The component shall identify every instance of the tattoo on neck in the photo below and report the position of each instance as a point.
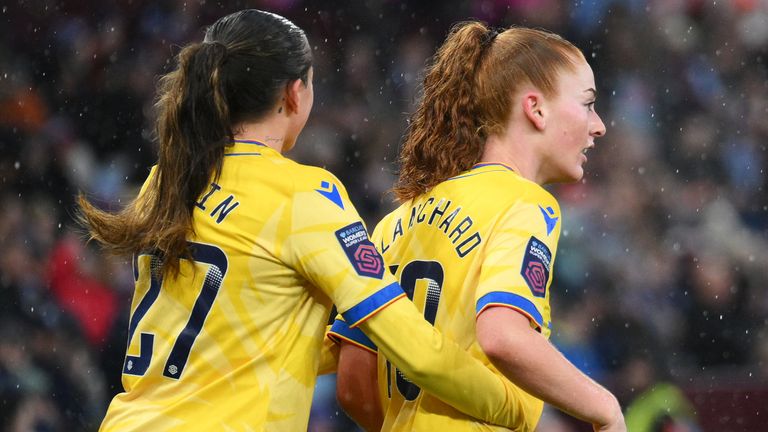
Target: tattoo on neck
(273, 139)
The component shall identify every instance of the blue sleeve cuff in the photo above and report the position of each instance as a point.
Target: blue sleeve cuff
(341, 331)
(374, 303)
(513, 301)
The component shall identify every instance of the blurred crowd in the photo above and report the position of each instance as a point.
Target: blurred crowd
(661, 286)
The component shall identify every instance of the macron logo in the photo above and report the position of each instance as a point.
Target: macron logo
(332, 193)
(549, 219)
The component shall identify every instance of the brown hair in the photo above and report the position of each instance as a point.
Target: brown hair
(234, 75)
(466, 96)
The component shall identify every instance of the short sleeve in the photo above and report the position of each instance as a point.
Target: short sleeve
(517, 267)
(329, 245)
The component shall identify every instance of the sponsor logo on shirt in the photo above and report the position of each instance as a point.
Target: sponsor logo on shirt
(363, 256)
(537, 263)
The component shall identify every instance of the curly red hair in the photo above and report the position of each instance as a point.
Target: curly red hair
(466, 96)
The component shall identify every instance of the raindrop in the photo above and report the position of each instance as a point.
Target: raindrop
(17, 165)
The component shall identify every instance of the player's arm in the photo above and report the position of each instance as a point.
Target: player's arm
(328, 245)
(356, 387)
(532, 362)
(512, 298)
(438, 365)
(356, 380)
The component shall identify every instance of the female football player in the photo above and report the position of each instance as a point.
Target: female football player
(240, 252)
(474, 241)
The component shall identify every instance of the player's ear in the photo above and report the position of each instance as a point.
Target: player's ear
(533, 108)
(292, 95)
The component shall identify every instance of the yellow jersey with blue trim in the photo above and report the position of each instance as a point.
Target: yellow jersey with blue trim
(233, 342)
(485, 238)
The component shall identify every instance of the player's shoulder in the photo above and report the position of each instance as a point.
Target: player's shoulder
(536, 194)
(513, 189)
(393, 216)
(309, 178)
(531, 207)
(515, 202)
(402, 209)
(312, 183)
(308, 175)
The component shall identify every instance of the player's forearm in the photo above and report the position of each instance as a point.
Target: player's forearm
(440, 367)
(356, 387)
(546, 374)
(531, 362)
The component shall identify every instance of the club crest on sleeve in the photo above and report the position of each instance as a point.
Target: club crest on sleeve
(330, 191)
(537, 263)
(363, 256)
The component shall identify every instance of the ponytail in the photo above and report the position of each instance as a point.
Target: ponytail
(444, 137)
(193, 128)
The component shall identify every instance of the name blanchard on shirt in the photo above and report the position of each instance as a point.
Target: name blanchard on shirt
(450, 220)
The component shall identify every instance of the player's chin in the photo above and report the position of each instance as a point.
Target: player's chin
(575, 174)
(578, 168)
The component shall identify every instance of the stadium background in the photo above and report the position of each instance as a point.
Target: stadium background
(660, 289)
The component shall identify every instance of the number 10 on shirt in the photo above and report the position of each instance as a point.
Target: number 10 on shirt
(432, 272)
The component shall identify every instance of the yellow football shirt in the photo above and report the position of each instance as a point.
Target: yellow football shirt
(485, 238)
(234, 342)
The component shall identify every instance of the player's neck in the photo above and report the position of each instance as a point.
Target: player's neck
(516, 154)
(270, 133)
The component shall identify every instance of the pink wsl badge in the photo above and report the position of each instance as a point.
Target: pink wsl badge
(537, 262)
(363, 256)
